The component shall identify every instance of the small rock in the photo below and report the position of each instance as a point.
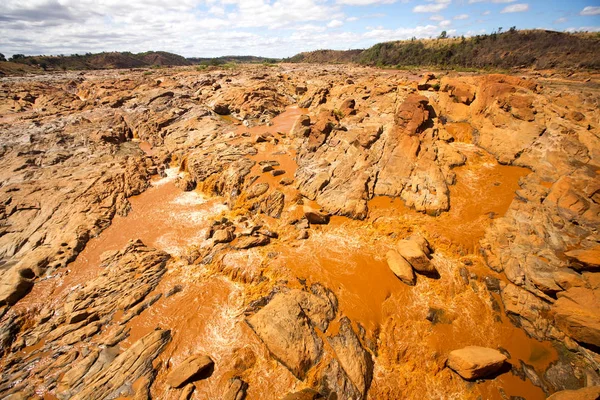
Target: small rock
(174, 290)
(251, 241)
(221, 109)
(186, 393)
(464, 275)
(315, 216)
(492, 284)
(277, 172)
(475, 362)
(286, 181)
(304, 394)
(223, 236)
(303, 224)
(237, 390)
(302, 235)
(438, 316)
(192, 369)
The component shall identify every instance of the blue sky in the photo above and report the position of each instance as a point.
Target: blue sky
(273, 28)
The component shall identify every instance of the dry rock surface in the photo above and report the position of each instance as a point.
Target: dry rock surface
(299, 232)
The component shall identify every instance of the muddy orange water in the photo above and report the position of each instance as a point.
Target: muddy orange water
(347, 256)
(483, 191)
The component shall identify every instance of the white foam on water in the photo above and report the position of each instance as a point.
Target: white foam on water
(190, 198)
(172, 174)
(205, 214)
(222, 332)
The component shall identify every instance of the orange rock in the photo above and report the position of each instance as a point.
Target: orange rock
(475, 362)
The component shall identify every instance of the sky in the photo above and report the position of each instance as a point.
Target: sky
(270, 28)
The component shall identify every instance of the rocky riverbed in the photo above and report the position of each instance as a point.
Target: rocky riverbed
(299, 232)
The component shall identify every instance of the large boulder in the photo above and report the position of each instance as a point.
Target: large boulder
(415, 250)
(475, 362)
(400, 267)
(285, 328)
(577, 313)
(353, 358)
(412, 114)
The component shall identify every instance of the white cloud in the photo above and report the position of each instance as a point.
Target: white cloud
(381, 34)
(310, 28)
(491, 1)
(487, 12)
(589, 10)
(445, 23)
(364, 2)
(560, 20)
(461, 16)
(436, 6)
(217, 10)
(336, 23)
(584, 29)
(351, 19)
(437, 18)
(515, 8)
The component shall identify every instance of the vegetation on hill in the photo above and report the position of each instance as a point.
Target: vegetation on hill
(529, 48)
(532, 48)
(216, 61)
(326, 56)
(101, 60)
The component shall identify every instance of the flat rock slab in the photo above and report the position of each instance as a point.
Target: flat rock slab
(193, 368)
(286, 330)
(586, 258)
(475, 362)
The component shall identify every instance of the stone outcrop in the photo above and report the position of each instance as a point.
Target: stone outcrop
(74, 332)
(288, 326)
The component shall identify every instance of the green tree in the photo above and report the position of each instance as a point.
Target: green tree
(2, 58)
(443, 35)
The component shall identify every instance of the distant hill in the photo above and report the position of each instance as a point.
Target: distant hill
(101, 60)
(232, 59)
(20, 64)
(327, 56)
(528, 48)
(12, 68)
